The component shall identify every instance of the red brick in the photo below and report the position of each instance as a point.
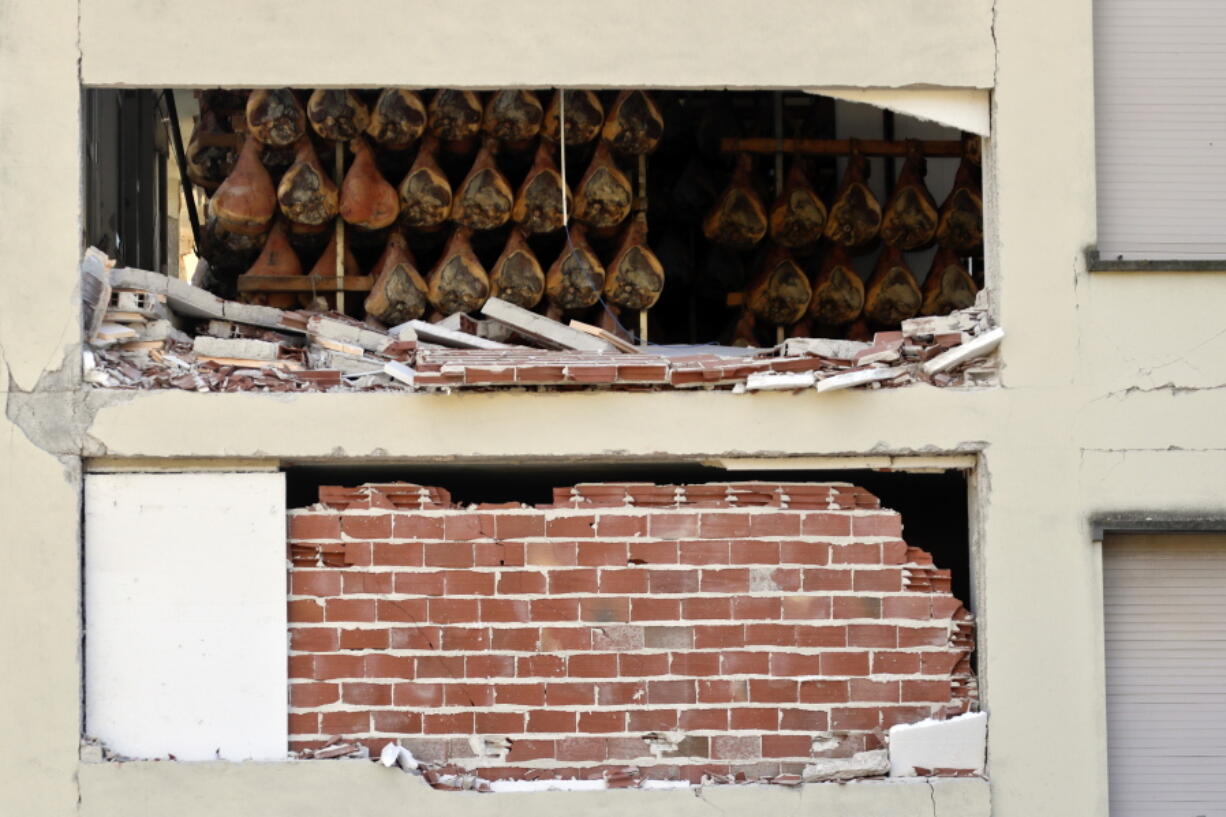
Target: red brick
(620, 693)
(469, 583)
(304, 723)
(882, 524)
(570, 694)
(826, 524)
(489, 666)
(745, 663)
(573, 581)
(499, 723)
(759, 718)
(674, 525)
(804, 720)
(551, 554)
(922, 637)
(856, 607)
(649, 609)
(513, 582)
(569, 639)
(718, 691)
(308, 694)
(832, 636)
(872, 635)
(867, 717)
(735, 580)
(520, 525)
(705, 607)
(624, 580)
(359, 553)
(314, 639)
(877, 581)
(804, 553)
(939, 663)
(315, 583)
(515, 640)
(673, 581)
(603, 554)
(468, 695)
(793, 664)
(844, 663)
(694, 663)
(778, 635)
(753, 552)
(937, 691)
(550, 720)
(945, 606)
(367, 694)
(394, 555)
(305, 611)
(314, 526)
(704, 553)
(723, 525)
(863, 690)
(806, 607)
(729, 747)
(520, 694)
(440, 665)
(756, 607)
(581, 749)
(715, 637)
(366, 527)
(695, 719)
(417, 526)
(621, 525)
(444, 723)
(892, 715)
(786, 579)
(857, 553)
(448, 554)
(897, 553)
(417, 696)
(571, 526)
(398, 723)
(505, 610)
(420, 584)
(522, 750)
(593, 665)
(778, 523)
(627, 748)
(463, 526)
(772, 690)
(896, 663)
(349, 609)
(449, 611)
(498, 554)
(639, 665)
(671, 692)
(553, 609)
(656, 553)
(786, 745)
(344, 723)
(913, 607)
(653, 720)
(540, 666)
(414, 638)
(466, 638)
(823, 692)
(381, 665)
(600, 722)
(362, 582)
(819, 579)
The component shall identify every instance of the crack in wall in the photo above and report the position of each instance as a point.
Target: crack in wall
(1170, 388)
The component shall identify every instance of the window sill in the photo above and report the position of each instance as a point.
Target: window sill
(1094, 263)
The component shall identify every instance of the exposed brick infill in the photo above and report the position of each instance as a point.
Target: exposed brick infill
(732, 630)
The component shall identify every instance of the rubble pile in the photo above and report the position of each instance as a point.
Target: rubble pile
(146, 330)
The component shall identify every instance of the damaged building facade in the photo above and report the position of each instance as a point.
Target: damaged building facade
(255, 546)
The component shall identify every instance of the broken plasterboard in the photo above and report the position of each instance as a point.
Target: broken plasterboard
(544, 330)
(968, 109)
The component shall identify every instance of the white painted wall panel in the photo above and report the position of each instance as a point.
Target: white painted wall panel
(185, 631)
(1165, 625)
(1160, 113)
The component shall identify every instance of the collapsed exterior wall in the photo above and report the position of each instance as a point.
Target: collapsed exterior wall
(627, 631)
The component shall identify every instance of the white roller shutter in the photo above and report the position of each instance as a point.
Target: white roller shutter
(1165, 622)
(1160, 105)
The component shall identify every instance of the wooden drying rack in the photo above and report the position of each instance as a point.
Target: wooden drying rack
(841, 147)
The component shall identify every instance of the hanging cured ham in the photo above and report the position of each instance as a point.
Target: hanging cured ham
(337, 115)
(484, 199)
(275, 117)
(892, 295)
(455, 115)
(425, 193)
(961, 221)
(780, 292)
(517, 276)
(855, 215)
(634, 124)
(798, 215)
(210, 156)
(277, 258)
(246, 201)
(325, 267)
(604, 194)
(576, 278)
(634, 278)
(399, 293)
(513, 116)
(398, 118)
(909, 221)
(538, 204)
(838, 292)
(584, 117)
(367, 200)
(458, 282)
(948, 285)
(738, 218)
(306, 193)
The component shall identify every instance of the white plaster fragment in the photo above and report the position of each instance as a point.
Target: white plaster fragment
(859, 378)
(824, 347)
(779, 381)
(861, 764)
(957, 743)
(977, 347)
(235, 348)
(547, 785)
(401, 372)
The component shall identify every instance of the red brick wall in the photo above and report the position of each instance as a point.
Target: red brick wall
(734, 629)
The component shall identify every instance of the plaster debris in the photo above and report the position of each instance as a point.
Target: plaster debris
(959, 743)
(861, 764)
(148, 331)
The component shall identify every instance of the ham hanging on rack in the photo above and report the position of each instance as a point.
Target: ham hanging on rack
(892, 295)
(634, 124)
(336, 114)
(604, 195)
(399, 293)
(583, 120)
(855, 215)
(367, 201)
(484, 199)
(211, 151)
(455, 117)
(517, 276)
(798, 215)
(277, 258)
(307, 193)
(634, 278)
(275, 117)
(961, 221)
(909, 221)
(838, 292)
(948, 285)
(246, 201)
(398, 118)
(325, 267)
(780, 293)
(513, 116)
(738, 218)
(576, 278)
(458, 282)
(425, 193)
(538, 203)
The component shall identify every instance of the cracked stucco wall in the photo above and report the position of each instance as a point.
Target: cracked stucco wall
(1113, 398)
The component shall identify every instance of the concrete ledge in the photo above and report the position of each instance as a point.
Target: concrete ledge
(335, 788)
(1095, 263)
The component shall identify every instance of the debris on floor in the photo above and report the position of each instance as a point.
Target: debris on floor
(146, 330)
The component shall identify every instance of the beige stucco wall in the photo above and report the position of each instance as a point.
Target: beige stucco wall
(1113, 383)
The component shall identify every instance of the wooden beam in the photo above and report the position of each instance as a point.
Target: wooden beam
(304, 283)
